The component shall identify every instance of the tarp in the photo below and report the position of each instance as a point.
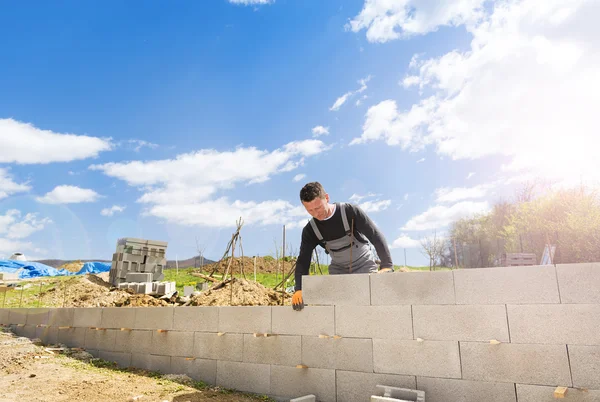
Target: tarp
(29, 269)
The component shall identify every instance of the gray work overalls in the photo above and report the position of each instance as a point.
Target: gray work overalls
(348, 255)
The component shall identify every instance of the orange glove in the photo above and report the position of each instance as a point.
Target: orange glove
(297, 302)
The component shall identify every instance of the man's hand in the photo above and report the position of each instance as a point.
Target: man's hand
(384, 270)
(297, 302)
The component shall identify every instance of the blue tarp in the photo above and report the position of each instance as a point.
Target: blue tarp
(28, 269)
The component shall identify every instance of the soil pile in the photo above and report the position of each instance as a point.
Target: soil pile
(240, 292)
(263, 265)
(73, 266)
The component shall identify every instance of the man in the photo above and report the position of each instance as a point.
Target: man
(342, 230)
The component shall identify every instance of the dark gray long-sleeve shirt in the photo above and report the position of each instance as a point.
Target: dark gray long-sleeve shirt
(333, 228)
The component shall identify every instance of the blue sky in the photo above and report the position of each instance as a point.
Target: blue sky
(169, 121)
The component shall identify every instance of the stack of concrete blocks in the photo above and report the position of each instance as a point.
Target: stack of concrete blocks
(476, 335)
(138, 265)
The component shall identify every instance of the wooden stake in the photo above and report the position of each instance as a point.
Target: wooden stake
(162, 330)
(560, 392)
(324, 336)
(301, 366)
(65, 327)
(125, 329)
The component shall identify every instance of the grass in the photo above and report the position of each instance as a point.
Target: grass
(30, 297)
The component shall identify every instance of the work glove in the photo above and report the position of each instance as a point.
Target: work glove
(297, 302)
(382, 270)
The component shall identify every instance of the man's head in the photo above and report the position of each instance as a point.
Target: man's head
(315, 200)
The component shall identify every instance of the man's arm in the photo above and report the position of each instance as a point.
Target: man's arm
(307, 246)
(366, 226)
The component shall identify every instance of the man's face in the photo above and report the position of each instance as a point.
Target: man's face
(318, 208)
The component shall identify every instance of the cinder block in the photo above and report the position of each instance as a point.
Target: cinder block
(312, 320)
(412, 288)
(100, 339)
(61, 317)
(48, 335)
(153, 317)
(514, 285)
(144, 288)
(152, 260)
(247, 319)
(212, 346)
(204, 370)
(352, 354)
(132, 258)
(28, 331)
(537, 393)
(585, 366)
(72, 337)
(555, 323)
(383, 322)
(247, 377)
(203, 319)
(329, 290)
(173, 343)
(9, 276)
(138, 277)
(579, 283)
(142, 361)
(136, 341)
(158, 276)
(117, 317)
(87, 317)
(516, 363)
(432, 358)
(280, 349)
(461, 323)
(451, 390)
(37, 316)
(290, 382)
(121, 359)
(358, 387)
(305, 398)
(188, 290)
(162, 364)
(4, 313)
(17, 316)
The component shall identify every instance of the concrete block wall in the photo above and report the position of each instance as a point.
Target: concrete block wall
(429, 331)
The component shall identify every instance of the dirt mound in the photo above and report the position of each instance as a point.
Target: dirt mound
(263, 265)
(240, 292)
(73, 266)
(138, 300)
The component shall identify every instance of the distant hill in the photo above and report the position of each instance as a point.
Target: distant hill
(190, 262)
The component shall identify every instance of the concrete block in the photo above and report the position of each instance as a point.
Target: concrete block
(461, 323)
(158, 276)
(312, 320)
(579, 283)
(305, 398)
(188, 290)
(247, 377)
(204, 370)
(585, 366)
(17, 316)
(28, 331)
(9, 276)
(153, 317)
(555, 323)
(431, 358)
(383, 322)
(123, 285)
(412, 288)
(38, 316)
(144, 288)
(516, 363)
(281, 349)
(141, 361)
(514, 285)
(131, 258)
(212, 346)
(136, 341)
(393, 394)
(48, 335)
(358, 387)
(162, 364)
(72, 337)
(203, 319)
(155, 260)
(121, 359)
(329, 290)
(138, 277)
(451, 390)
(100, 339)
(117, 317)
(352, 354)
(173, 343)
(289, 382)
(4, 313)
(87, 317)
(61, 317)
(538, 393)
(248, 319)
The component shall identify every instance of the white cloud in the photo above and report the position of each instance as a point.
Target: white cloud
(421, 160)
(406, 197)
(357, 197)
(471, 174)
(527, 88)
(405, 241)
(8, 186)
(23, 143)
(375, 206)
(139, 144)
(112, 210)
(320, 130)
(13, 228)
(386, 20)
(339, 102)
(299, 177)
(182, 190)
(68, 195)
(251, 2)
(445, 194)
(440, 216)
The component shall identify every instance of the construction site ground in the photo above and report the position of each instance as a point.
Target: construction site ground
(35, 372)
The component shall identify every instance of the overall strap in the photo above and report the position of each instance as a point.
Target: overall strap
(316, 230)
(344, 218)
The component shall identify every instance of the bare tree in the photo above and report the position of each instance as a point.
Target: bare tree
(433, 247)
(200, 253)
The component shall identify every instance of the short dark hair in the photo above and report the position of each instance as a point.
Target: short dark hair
(311, 191)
